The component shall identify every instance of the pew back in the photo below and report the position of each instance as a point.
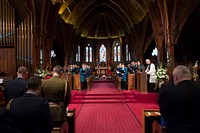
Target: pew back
(117, 81)
(89, 81)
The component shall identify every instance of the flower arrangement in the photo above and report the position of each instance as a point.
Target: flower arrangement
(161, 74)
(41, 73)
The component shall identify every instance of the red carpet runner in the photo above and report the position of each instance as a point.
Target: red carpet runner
(106, 118)
(104, 109)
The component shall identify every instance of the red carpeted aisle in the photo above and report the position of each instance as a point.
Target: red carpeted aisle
(105, 109)
(106, 118)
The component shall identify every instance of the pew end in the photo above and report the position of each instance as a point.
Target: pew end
(151, 121)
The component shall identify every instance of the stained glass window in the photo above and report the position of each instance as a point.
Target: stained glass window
(128, 54)
(102, 53)
(127, 57)
(154, 52)
(87, 55)
(41, 57)
(78, 54)
(88, 52)
(117, 52)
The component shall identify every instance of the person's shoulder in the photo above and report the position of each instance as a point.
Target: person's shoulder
(168, 85)
(41, 99)
(63, 80)
(19, 79)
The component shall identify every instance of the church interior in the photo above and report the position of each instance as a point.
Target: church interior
(40, 34)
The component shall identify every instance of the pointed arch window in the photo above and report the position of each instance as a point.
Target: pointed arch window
(41, 57)
(78, 55)
(88, 52)
(154, 52)
(117, 52)
(128, 55)
(102, 53)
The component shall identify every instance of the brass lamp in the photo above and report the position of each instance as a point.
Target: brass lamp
(58, 1)
(195, 69)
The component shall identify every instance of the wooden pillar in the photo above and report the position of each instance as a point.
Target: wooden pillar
(47, 42)
(159, 44)
(36, 47)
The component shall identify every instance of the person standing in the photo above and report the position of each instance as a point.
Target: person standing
(83, 73)
(140, 66)
(151, 75)
(56, 90)
(124, 73)
(17, 87)
(180, 105)
(30, 112)
(133, 66)
(163, 89)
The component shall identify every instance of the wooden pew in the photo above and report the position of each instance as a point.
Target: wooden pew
(71, 124)
(141, 82)
(151, 121)
(131, 81)
(89, 81)
(76, 82)
(71, 121)
(68, 77)
(117, 81)
(6, 77)
(3, 102)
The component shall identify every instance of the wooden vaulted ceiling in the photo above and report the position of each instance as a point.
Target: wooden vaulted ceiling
(102, 19)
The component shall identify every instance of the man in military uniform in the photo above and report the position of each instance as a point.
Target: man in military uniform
(56, 91)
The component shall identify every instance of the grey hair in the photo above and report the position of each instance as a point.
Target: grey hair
(182, 71)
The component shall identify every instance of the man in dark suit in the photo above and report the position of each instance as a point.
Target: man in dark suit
(7, 124)
(30, 112)
(163, 89)
(180, 106)
(17, 87)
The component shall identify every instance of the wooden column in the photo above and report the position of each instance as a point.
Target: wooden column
(36, 47)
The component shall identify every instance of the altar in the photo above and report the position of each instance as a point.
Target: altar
(102, 70)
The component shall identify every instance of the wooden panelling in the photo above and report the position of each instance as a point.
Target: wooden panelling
(8, 60)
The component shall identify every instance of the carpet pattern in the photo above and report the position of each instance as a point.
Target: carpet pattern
(107, 118)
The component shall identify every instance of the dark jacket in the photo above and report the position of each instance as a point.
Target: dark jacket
(7, 124)
(83, 75)
(15, 88)
(180, 108)
(164, 89)
(31, 114)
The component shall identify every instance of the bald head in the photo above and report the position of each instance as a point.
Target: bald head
(181, 73)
